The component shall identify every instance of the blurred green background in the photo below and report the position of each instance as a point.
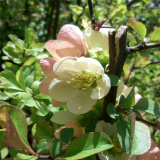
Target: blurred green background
(46, 17)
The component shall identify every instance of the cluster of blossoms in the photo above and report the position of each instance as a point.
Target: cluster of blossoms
(76, 80)
(72, 77)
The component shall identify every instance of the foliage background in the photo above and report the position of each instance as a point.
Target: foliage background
(46, 17)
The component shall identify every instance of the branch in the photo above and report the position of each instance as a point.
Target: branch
(142, 47)
(117, 57)
(91, 13)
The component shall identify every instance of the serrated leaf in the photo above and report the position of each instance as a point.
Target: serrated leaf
(66, 134)
(112, 112)
(10, 78)
(25, 157)
(123, 129)
(155, 35)
(148, 106)
(141, 139)
(138, 27)
(129, 100)
(114, 80)
(16, 129)
(86, 145)
(42, 130)
(56, 147)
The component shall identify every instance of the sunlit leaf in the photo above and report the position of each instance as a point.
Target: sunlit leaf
(148, 106)
(138, 27)
(155, 35)
(141, 139)
(87, 145)
(24, 157)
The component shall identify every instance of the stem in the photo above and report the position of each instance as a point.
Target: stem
(91, 13)
(142, 47)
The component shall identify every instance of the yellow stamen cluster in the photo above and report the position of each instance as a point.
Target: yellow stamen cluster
(84, 81)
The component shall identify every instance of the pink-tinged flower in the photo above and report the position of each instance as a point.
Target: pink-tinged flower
(77, 82)
(70, 43)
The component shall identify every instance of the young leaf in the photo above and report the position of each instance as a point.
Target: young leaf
(148, 106)
(123, 129)
(138, 27)
(42, 130)
(155, 35)
(56, 147)
(141, 139)
(66, 135)
(114, 80)
(129, 101)
(20, 78)
(87, 145)
(10, 79)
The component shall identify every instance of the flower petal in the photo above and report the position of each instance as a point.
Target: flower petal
(60, 90)
(57, 103)
(47, 66)
(59, 49)
(65, 67)
(43, 87)
(103, 87)
(73, 35)
(80, 102)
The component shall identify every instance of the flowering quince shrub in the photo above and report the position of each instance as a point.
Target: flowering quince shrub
(72, 103)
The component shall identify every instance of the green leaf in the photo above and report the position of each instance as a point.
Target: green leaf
(66, 135)
(56, 147)
(42, 147)
(141, 139)
(155, 35)
(35, 87)
(24, 157)
(42, 108)
(20, 78)
(18, 42)
(90, 158)
(148, 106)
(114, 80)
(112, 112)
(129, 100)
(123, 129)
(4, 153)
(42, 130)
(29, 37)
(86, 145)
(138, 27)
(16, 129)
(130, 37)
(37, 70)
(2, 138)
(29, 80)
(10, 78)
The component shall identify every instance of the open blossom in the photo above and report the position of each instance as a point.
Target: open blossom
(70, 43)
(78, 82)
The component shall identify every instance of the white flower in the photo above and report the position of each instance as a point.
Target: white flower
(97, 43)
(79, 82)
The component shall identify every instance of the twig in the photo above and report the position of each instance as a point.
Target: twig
(91, 14)
(142, 47)
(155, 125)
